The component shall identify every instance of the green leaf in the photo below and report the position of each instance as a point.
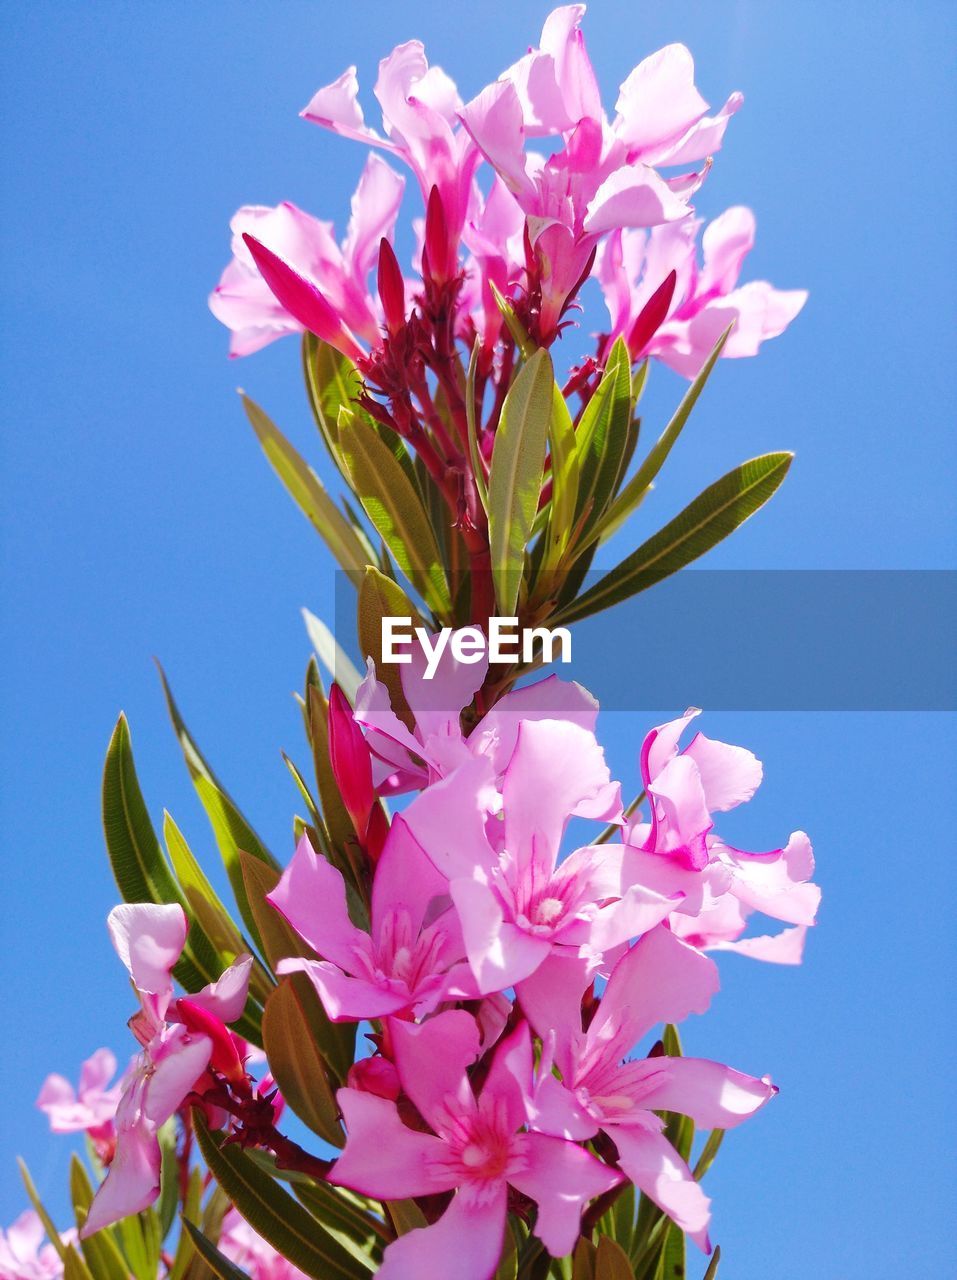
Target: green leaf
(46, 1220)
(515, 481)
(332, 656)
(471, 416)
(332, 382)
(714, 514)
(603, 435)
(636, 488)
(231, 830)
(168, 1202)
(338, 822)
(565, 478)
(351, 1218)
(611, 1261)
(100, 1250)
(672, 1262)
(274, 1214)
(512, 323)
(139, 1236)
(139, 868)
(712, 1272)
(216, 1261)
(708, 1153)
(584, 1260)
(74, 1266)
(394, 505)
(296, 1060)
(406, 1216)
(380, 597)
(308, 492)
(185, 1250)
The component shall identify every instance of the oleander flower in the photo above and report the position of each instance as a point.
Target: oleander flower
(678, 851)
(633, 264)
(660, 979)
(179, 1039)
(90, 1107)
(478, 1147)
(24, 1256)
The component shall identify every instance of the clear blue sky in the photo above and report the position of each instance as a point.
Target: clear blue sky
(140, 519)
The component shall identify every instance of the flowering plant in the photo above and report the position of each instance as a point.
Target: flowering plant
(503, 980)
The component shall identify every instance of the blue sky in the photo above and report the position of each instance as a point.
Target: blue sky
(140, 519)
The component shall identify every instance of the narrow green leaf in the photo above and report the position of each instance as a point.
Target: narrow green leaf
(513, 324)
(603, 435)
(406, 1216)
(584, 1260)
(714, 514)
(217, 1262)
(332, 656)
(185, 1250)
(349, 1216)
(380, 597)
(471, 415)
(74, 1266)
(274, 1214)
(672, 1262)
(712, 1272)
(563, 447)
(296, 1060)
(394, 506)
(47, 1221)
(137, 1238)
(636, 488)
(515, 481)
(308, 492)
(139, 868)
(332, 382)
(230, 828)
(708, 1153)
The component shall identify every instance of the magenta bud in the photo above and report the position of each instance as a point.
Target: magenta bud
(652, 315)
(437, 249)
(351, 762)
(391, 287)
(302, 299)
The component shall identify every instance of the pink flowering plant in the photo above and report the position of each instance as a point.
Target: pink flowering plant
(447, 1026)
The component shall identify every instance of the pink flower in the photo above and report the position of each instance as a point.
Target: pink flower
(420, 107)
(632, 265)
(405, 758)
(605, 176)
(499, 851)
(90, 1107)
(477, 1148)
(411, 959)
(660, 979)
(678, 851)
(24, 1256)
(180, 1039)
(248, 305)
(251, 1253)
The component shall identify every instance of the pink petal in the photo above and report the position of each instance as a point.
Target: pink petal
(557, 1111)
(346, 998)
(561, 1178)
(786, 947)
(551, 1000)
(404, 878)
(437, 702)
(375, 207)
(633, 197)
(509, 1081)
(132, 1180)
(431, 1060)
(336, 107)
(470, 1231)
(495, 121)
(448, 819)
(776, 883)
(149, 939)
(311, 895)
(661, 979)
(658, 101)
(97, 1071)
(499, 952)
(226, 997)
(654, 1166)
(382, 1157)
(714, 1096)
(549, 699)
(556, 769)
(729, 775)
(178, 1059)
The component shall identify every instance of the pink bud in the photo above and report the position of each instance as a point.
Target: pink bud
(302, 299)
(225, 1057)
(375, 1075)
(391, 287)
(351, 762)
(437, 250)
(652, 315)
